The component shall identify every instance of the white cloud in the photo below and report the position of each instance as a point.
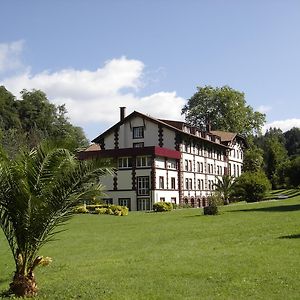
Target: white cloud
(95, 96)
(264, 109)
(284, 125)
(10, 56)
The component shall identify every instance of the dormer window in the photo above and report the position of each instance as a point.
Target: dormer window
(138, 132)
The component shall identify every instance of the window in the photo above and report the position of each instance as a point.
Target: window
(173, 200)
(143, 185)
(161, 182)
(138, 132)
(162, 199)
(201, 169)
(124, 202)
(138, 145)
(199, 185)
(198, 167)
(173, 182)
(188, 148)
(143, 161)
(143, 204)
(186, 184)
(186, 165)
(190, 165)
(202, 184)
(124, 162)
(172, 164)
(107, 200)
(191, 184)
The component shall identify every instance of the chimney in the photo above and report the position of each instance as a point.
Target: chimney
(122, 113)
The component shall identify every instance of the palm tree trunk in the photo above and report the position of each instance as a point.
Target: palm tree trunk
(23, 285)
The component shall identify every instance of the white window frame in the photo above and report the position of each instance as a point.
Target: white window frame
(138, 132)
(143, 185)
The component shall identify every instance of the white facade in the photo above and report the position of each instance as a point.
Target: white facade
(161, 160)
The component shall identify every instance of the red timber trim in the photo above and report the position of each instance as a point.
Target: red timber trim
(153, 150)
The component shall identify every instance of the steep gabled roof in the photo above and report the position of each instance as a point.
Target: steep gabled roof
(227, 137)
(133, 114)
(224, 135)
(173, 125)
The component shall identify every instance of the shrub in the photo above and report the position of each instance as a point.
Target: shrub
(100, 210)
(81, 209)
(162, 206)
(115, 210)
(252, 186)
(213, 202)
(124, 211)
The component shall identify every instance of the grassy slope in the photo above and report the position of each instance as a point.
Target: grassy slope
(250, 251)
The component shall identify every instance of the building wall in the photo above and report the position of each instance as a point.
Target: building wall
(200, 163)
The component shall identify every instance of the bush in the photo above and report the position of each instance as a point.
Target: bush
(81, 209)
(100, 211)
(213, 202)
(108, 209)
(162, 206)
(252, 186)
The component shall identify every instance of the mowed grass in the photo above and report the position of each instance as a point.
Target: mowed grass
(249, 251)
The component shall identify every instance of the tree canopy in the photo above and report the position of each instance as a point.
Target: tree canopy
(224, 109)
(25, 122)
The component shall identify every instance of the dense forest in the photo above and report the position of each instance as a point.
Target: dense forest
(25, 122)
(278, 154)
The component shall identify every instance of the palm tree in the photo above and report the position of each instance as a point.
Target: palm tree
(38, 191)
(224, 186)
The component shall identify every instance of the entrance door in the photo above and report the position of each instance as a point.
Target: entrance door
(143, 204)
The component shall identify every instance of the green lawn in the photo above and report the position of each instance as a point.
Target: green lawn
(250, 251)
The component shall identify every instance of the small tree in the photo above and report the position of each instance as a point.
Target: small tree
(252, 186)
(214, 201)
(38, 191)
(224, 186)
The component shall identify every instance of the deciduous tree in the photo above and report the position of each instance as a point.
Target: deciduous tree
(224, 108)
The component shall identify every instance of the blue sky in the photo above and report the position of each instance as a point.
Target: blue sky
(151, 55)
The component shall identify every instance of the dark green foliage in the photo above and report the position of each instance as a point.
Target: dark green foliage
(293, 172)
(252, 186)
(292, 141)
(224, 187)
(9, 117)
(274, 156)
(25, 122)
(253, 159)
(224, 108)
(38, 190)
(214, 201)
(162, 206)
